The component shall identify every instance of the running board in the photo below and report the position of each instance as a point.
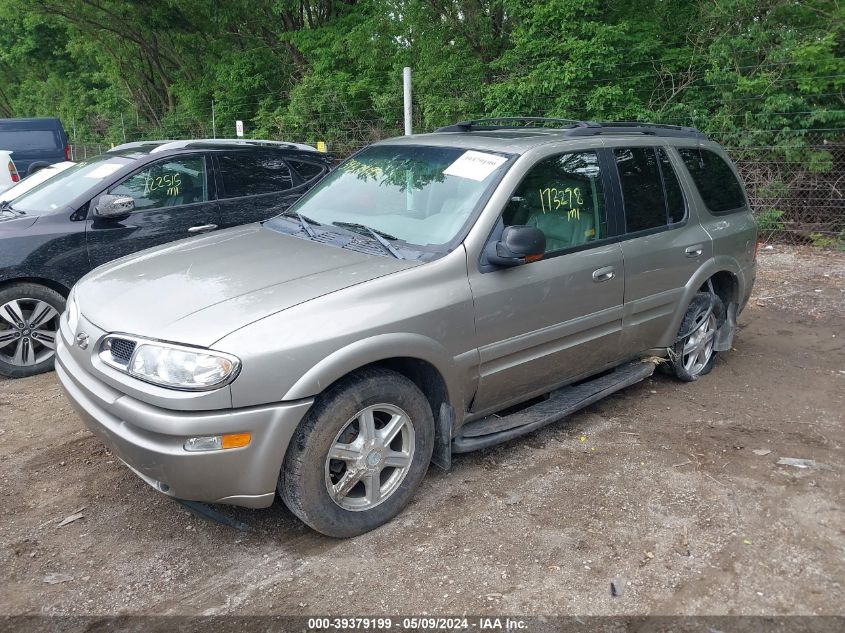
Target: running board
(493, 429)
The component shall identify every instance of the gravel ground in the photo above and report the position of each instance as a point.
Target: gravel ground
(671, 491)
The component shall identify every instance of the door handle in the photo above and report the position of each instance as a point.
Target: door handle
(202, 228)
(604, 274)
(694, 251)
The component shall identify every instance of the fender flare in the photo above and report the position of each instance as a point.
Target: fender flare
(720, 263)
(372, 350)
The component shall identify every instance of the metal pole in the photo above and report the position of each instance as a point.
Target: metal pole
(123, 127)
(406, 83)
(213, 124)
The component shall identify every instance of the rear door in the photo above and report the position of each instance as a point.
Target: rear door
(173, 200)
(547, 322)
(255, 185)
(663, 243)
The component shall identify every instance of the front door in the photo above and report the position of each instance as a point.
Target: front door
(172, 202)
(547, 322)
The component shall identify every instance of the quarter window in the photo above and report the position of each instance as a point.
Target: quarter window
(563, 197)
(254, 173)
(166, 184)
(308, 171)
(714, 179)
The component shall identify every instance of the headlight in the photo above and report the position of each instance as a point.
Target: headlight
(72, 310)
(169, 365)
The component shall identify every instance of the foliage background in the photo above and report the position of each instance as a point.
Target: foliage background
(751, 73)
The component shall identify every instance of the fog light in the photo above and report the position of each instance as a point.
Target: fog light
(217, 442)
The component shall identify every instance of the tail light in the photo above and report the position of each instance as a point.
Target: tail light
(67, 152)
(13, 172)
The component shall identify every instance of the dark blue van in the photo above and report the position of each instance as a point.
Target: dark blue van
(34, 143)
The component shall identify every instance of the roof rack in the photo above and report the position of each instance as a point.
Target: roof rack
(576, 128)
(136, 144)
(532, 121)
(205, 142)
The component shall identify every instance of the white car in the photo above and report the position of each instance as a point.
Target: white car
(9, 176)
(20, 187)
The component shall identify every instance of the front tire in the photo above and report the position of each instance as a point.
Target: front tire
(29, 325)
(693, 356)
(357, 458)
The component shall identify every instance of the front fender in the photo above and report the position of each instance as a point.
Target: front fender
(371, 350)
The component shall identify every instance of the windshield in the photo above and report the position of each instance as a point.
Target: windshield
(32, 180)
(421, 195)
(61, 189)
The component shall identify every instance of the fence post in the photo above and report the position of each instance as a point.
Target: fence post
(213, 123)
(406, 83)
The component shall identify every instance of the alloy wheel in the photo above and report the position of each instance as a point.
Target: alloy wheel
(28, 329)
(370, 457)
(698, 348)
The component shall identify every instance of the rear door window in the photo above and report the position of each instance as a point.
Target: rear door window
(714, 179)
(253, 173)
(169, 183)
(650, 189)
(642, 189)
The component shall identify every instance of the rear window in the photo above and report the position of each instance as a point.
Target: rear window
(29, 139)
(714, 179)
(253, 173)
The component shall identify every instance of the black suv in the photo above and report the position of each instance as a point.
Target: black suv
(136, 196)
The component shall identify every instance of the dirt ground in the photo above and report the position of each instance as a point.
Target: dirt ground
(662, 489)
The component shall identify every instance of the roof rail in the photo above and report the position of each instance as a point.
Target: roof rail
(206, 142)
(135, 144)
(637, 127)
(532, 121)
(576, 128)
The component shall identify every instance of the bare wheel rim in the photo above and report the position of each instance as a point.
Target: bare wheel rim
(370, 457)
(28, 330)
(698, 348)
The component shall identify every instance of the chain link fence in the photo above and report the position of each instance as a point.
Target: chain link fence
(798, 197)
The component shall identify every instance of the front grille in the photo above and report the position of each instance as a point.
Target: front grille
(121, 350)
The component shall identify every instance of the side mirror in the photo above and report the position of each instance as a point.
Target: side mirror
(109, 206)
(519, 245)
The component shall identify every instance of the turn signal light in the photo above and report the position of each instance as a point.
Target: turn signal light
(217, 442)
(236, 440)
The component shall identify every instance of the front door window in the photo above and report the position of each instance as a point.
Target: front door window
(563, 197)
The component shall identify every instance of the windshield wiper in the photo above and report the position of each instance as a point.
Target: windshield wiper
(305, 222)
(379, 236)
(6, 206)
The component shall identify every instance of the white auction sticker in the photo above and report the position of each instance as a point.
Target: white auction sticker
(474, 165)
(106, 169)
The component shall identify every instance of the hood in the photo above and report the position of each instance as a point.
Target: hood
(12, 223)
(198, 291)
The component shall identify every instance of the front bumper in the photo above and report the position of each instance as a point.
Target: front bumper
(150, 439)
